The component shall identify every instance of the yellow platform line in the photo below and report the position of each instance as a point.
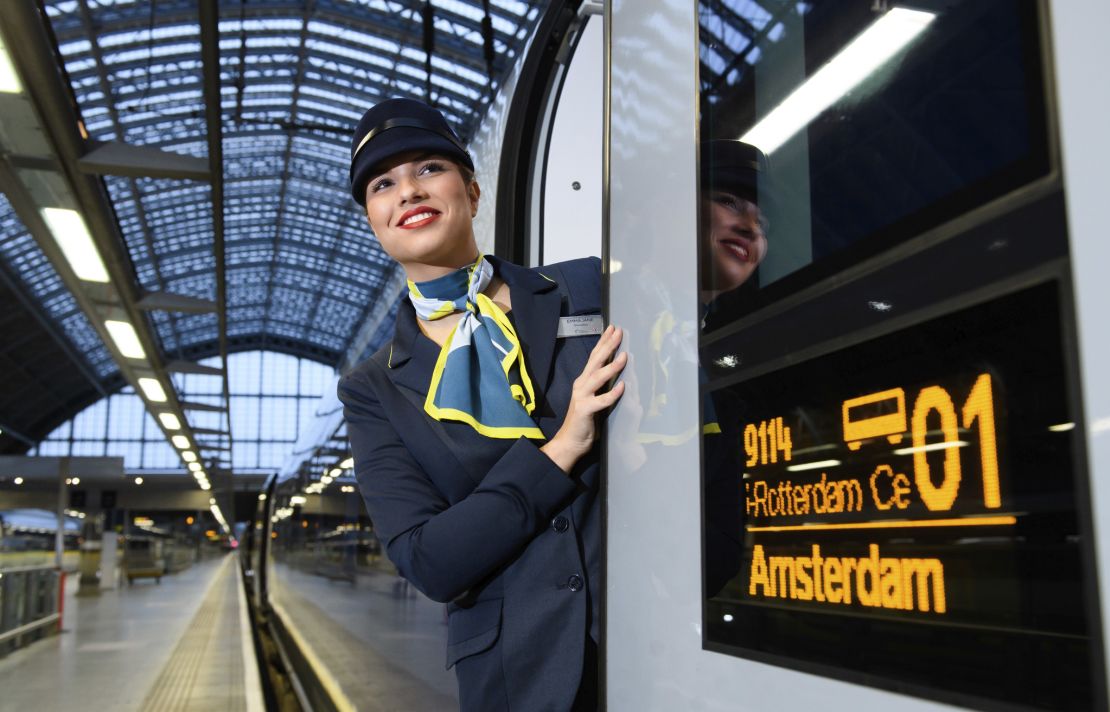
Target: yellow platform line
(895, 524)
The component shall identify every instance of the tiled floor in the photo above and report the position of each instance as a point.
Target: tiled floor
(169, 646)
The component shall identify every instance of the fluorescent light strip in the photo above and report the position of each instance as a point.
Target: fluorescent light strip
(188, 456)
(72, 235)
(1061, 427)
(348, 463)
(813, 465)
(127, 341)
(9, 80)
(152, 389)
(930, 447)
(859, 59)
(180, 442)
(169, 421)
(196, 467)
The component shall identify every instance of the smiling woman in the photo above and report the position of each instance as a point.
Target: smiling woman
(473, 430)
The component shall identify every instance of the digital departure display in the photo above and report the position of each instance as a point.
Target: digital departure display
(909, 512)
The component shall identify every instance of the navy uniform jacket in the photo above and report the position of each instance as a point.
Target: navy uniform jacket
(491, 526)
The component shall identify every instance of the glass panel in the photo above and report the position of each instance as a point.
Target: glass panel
(891, 493)
(863, 126)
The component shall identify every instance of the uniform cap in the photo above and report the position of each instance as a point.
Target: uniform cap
(399, 126)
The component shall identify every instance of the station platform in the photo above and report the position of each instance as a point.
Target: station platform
(182, 644)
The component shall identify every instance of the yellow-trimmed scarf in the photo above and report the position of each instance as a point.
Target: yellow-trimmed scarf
(479, 378)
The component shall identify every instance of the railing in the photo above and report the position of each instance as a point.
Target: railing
(29, 605)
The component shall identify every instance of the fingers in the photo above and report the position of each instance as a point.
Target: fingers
(607, 373)
(603, 350)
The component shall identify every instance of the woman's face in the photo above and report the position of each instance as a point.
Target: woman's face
(734, 241)
(420, 208)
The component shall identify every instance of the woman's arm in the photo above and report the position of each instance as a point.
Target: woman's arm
(444, 549)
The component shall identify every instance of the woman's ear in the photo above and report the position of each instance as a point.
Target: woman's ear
(474, 192)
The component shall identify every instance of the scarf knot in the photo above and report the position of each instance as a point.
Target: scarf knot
(480, 377)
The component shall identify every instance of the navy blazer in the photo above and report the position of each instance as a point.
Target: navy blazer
(491, 526)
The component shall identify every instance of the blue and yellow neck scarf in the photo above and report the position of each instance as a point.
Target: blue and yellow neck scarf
(479, 378)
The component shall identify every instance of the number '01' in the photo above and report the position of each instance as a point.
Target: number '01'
(979, 406)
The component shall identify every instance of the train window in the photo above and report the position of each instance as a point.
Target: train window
(893, 491)
(875, 121)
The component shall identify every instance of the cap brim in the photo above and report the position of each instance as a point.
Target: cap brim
(396, 142)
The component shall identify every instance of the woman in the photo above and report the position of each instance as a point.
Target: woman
(474, 430)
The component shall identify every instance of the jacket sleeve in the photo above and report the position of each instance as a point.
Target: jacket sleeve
(444, 549)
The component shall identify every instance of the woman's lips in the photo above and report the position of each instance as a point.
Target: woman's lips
(417, 218)
(738, 249)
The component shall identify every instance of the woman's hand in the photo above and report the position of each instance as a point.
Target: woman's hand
(579, 429)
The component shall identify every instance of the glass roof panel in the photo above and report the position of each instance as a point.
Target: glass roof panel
(301, 264)
(23, 258)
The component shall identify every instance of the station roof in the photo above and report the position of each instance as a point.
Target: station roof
(302, 268)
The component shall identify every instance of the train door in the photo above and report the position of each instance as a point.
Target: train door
(854, 466)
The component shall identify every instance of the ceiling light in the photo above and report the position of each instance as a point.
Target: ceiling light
(930, 447)
(188, 456)
(336, 472)
(127, 341)
(9, 80)
(169, 421)
(76, 480)
(18, 480)
(205, 486)
(180, 442)
(348, 463)
(72, 235)
(869, 51)
(1061, 427)
(813, 465)
(195, 467)
(152, 389)
(138, 480)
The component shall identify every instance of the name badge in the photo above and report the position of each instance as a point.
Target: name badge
(585, 325)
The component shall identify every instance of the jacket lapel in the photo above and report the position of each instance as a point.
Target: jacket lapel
(411, 358)
(537, 304)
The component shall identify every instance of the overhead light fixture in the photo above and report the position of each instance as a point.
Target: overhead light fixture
(138, 480)
(859, 59)
(348, 463)
(336, 472)
(152, 389)
(188, 456)
(18, 480)
(195, 467)
(72, 235)
(169, 421)
(9, 80)
(180, 442)
(1061, 427)
(76, 480)
(297, 499)
(931, 447)
(127, 341)
(812, 465)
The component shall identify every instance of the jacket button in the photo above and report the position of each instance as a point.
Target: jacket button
(560, 524)
(574, 583)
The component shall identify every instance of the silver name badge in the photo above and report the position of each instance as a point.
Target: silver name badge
(585, 325)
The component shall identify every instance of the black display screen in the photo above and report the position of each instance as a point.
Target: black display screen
(909, 512)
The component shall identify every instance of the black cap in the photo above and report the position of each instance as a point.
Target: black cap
(399, 126)
(735, 167)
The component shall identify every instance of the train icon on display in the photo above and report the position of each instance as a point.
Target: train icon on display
(875, 415)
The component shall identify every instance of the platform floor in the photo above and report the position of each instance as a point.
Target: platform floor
(177, 645)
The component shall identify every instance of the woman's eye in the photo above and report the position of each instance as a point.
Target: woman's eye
(378, 185)
(431, 167)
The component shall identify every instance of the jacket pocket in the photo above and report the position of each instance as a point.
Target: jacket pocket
(472, 630)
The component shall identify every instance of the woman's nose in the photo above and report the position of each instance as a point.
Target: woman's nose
(410, 189)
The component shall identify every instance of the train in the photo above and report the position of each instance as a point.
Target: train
(909, 393)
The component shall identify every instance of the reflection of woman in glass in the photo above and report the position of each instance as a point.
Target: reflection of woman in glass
(733, 234)
(733, 243)
(473, 432)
